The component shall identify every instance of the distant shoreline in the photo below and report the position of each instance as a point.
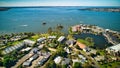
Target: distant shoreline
(102, 9)
(4, 9)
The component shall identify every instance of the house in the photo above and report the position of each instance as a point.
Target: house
(15, 38)
(28, 42)
(45, 58)
(26, 49)
(83, 47)
(67, 50)
(26, 64)
(61, 39)
(1, 43)
(34, 57)
(34, 50)
(70, 42)
(65, 61)
(47, 55)
(41, 46)
(74, 29)
(41, 62)
(51, 37)
(41, 39)
(83, 59)
(58, 59)
(115, 50)
(75, 60)
(99, 58)
(86, 29)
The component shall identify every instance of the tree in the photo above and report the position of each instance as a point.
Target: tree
(49, 30)
(64, 66)
(59, 27)
(51, 64)
(77, 65)
(8, 62)
(90, 40)
(61, 52)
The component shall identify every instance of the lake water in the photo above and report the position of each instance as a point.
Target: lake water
(99, 40)
(31, 19)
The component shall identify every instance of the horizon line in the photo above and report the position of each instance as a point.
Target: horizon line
(60, 6)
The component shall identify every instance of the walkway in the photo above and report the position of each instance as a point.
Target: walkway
(109, 39)
(23, 59)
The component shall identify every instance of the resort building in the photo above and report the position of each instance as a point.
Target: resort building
(12, 48)
(70, 42)
(28, 42)
(115, 50)
(40, 40)
(83, 47)
(76, 28)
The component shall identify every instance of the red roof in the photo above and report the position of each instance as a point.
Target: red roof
(82, 46)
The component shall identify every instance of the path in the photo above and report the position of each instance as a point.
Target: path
(23, 59)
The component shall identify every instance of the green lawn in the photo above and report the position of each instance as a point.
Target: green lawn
(110, 65)
(35, 37)
(84, 42)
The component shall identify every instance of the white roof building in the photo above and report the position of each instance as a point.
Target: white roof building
(41, 39)
(28, 42)
(61, 38)
(114, 48)
(58, 59)
(51, 37)
(26, 49)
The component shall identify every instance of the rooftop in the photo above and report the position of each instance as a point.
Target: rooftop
(82, 46)
(115, 48)
(58, 59)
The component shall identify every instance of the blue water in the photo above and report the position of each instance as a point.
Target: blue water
(31, 19)
(99, 40)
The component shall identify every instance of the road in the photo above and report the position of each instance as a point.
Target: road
(23, 59)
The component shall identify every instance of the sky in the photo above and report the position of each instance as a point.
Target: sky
(59, 3)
